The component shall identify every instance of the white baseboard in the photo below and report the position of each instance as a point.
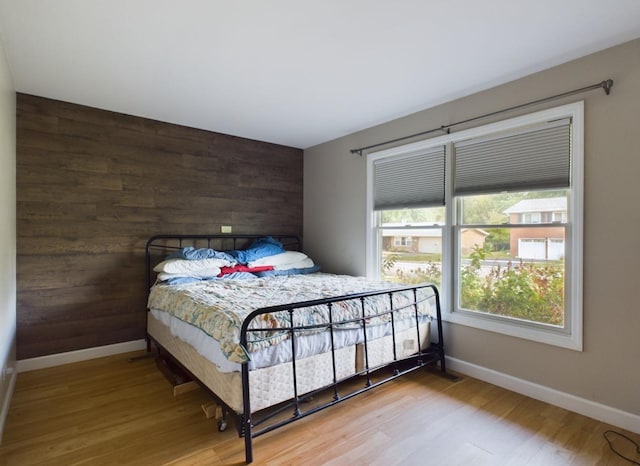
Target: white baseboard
(4, 412)
(25, 365)
(598, 411)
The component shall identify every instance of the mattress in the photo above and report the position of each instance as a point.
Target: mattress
(219, 307)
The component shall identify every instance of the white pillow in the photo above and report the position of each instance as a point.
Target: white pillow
(303, 264)
(287, 257)
(213, 272)
(194, 268)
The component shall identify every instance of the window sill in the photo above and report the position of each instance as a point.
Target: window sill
(516, 329)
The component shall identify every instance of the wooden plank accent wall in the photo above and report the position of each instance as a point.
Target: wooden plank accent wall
(93, 186)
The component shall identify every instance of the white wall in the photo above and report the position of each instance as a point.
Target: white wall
(7, 237)
(606, 372)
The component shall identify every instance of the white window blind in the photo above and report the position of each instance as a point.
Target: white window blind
(538, 157)
(410, 181)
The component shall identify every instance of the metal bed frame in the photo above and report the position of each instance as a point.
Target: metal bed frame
(249, 424)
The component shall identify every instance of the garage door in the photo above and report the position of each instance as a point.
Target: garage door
(541, 248)
(556, 249)
(531, 248)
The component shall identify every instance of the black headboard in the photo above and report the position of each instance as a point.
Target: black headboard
(159, 246)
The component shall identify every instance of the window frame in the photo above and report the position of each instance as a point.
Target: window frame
(571, 336)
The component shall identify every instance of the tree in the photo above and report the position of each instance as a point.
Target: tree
(498, 239)
(409, 216)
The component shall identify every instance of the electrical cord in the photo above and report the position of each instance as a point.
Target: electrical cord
(616, 451)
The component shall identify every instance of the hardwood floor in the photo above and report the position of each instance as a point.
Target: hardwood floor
(110, 411)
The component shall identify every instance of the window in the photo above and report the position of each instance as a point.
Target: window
(402, 241)
(559, 216)
(534, 217)
(408, 197)
(421, 262)
(516, 274)
(497, 223)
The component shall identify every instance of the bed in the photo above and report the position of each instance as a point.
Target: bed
(274, 339)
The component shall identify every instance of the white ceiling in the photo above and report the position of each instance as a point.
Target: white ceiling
(294, 72)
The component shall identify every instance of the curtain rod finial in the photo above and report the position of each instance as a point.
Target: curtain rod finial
(607, 85)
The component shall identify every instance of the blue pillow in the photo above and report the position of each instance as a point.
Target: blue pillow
(263, 247)
(191, 253)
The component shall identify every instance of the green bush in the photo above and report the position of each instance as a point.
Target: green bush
(525, 291)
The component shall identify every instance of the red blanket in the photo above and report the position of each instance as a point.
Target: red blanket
(243, 268)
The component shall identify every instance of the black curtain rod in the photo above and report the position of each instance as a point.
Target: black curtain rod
(606, 85)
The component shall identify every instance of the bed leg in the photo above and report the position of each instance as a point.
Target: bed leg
(443, 364)
(246, 405)
(443, 368)
(248, 441)
(148, 354)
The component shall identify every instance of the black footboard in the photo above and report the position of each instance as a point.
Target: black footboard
(254, 424)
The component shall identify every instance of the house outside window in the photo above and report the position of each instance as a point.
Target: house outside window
(413, 253)
(505, 238)
(538, 243)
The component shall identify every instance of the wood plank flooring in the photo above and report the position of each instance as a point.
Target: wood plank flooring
(110, 411)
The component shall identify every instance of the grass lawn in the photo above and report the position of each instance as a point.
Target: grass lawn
(412, 257)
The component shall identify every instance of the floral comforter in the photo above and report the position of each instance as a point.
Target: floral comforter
(218, 307)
